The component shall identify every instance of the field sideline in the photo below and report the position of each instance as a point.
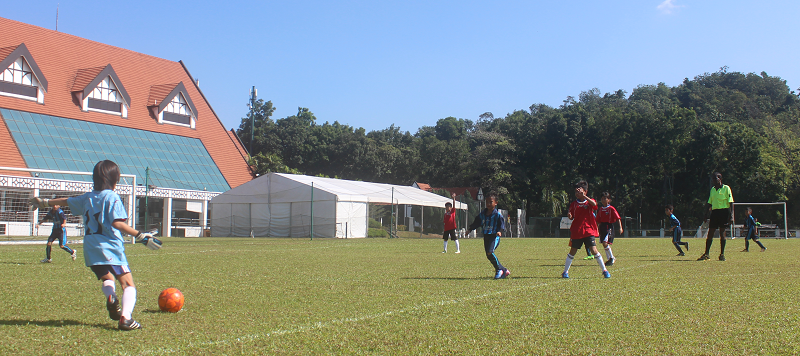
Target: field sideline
(403, 296)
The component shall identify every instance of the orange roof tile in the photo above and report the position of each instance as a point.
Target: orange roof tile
(84, 77)
(61, 56)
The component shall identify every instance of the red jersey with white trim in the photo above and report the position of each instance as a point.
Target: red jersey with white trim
(450, 220)
(607, 214)
(583, 221)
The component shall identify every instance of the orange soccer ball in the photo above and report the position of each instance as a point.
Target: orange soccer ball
(170, 300)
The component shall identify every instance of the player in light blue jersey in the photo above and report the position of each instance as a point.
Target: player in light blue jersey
(105, 218)
(677, 232)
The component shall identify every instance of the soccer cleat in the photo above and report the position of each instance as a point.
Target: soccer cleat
(458, 251)
(565, 275)
(445, 251)
(606, 274)
(498, 274)
(704, 257)
(722, 257)
(112, 304)
(46, 260)
(745, 250)
(74, 254)
(588, 258)
(506, 273)
(680, 254)
(764, 249)
(129, 324)
(610, 262)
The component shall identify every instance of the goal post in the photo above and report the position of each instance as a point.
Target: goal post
(785, 218)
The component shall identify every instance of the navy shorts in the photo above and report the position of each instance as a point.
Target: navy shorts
(751, 234)
(677, 234)
(606, 232)
(102, 270)
(59, 234)
(585, 242)
(451, 234)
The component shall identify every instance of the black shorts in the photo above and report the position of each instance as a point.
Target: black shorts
(606, 233)
(102, 270)
(719, 219)
(451, 234)
(585, 242)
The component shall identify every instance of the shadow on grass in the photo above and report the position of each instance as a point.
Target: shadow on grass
(15, 263)
(55, 323)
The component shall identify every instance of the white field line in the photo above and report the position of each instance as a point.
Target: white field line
(327, 324)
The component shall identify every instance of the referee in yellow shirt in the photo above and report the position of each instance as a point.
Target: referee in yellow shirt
(719, 216)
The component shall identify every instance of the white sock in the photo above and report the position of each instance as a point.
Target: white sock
(445, 245)
(109, 287)
(568, 262)
(458, 246)
(128, 301)
(609, 254)
(599, 258)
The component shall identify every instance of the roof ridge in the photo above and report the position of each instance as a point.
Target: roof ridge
(87, 40)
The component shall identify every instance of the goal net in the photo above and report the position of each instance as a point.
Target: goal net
(776, 227)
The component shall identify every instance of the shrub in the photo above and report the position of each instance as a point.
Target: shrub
(377, 233)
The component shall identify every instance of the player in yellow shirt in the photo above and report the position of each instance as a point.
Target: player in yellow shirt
(719, 215)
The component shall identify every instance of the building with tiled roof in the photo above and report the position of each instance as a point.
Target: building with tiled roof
(67, 102)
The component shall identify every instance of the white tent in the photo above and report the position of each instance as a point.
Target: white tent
(281, 205)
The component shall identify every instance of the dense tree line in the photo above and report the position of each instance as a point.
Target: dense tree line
(656, 146)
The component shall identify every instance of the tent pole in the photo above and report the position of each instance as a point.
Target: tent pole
(312, 211)
(391, 215)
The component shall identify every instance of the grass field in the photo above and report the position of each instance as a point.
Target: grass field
(402, 296)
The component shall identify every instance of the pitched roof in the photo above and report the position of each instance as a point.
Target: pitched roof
(61, 56)
(87, 79)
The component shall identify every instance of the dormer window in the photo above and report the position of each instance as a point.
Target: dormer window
(99, 89)
(20, 77)
(170, 104)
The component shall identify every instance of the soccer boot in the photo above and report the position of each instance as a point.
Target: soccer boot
(74, 254)
(745, 250)
(722, 257)
(564, 275)
(606, 274)
(611, 261)
(112, 304)
(46, 260)
(588, 258)
(680, 254)
(499, 274)
(129, 324)
(459, 251)
(764, 249)
(506, 273)
(704, 257)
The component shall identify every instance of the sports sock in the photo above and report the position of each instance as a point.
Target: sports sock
(722, 246)
(568, 262)
(445, 245)
(709, 241)
(589, 252)
(48, 249)
(128, 301)
(109, 288)
(599, 258)
(609, 253)
(66, 248)
(458, 246)
(759, 244)
(678, 246)
(747, 244)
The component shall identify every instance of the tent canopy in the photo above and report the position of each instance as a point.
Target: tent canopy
(286, 188)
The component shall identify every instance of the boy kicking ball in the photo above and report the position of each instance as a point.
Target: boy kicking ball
(584, 228)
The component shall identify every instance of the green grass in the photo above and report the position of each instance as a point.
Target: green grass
(403, 296)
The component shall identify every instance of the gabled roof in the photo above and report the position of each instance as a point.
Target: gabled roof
(10, 54)
(162, 94)
(88, 79)
(60, 56)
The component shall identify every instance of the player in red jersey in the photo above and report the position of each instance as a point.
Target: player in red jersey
(606, 217)
(584, 228)
(450, 224)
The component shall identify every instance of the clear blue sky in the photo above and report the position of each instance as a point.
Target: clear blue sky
(375, 63)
